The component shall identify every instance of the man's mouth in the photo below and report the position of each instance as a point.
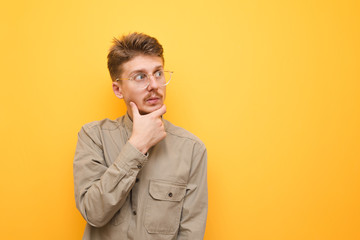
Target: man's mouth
(153, 100)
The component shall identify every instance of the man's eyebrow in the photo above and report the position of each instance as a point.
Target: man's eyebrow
(159, 67)
(144, 70)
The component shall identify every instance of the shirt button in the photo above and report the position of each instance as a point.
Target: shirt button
(134, 212)
(170, 194)
(139, 166)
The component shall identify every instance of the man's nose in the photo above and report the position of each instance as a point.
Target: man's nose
(153, 83)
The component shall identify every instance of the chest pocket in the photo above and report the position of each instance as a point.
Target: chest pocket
(163, 209)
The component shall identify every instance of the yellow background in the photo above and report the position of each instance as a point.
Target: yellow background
(271, 87)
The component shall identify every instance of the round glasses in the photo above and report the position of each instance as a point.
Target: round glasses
(142, 80)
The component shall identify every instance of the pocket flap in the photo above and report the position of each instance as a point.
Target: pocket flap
(167, 191)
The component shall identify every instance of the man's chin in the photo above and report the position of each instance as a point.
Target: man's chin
(149, 109)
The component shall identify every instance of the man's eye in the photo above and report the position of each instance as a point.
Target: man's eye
(158, 74)
(139, 77)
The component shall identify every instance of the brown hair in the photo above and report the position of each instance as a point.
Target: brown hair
(129, 46)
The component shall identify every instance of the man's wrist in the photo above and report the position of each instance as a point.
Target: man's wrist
(139, 146)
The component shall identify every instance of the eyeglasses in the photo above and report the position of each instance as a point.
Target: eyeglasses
(142, 80)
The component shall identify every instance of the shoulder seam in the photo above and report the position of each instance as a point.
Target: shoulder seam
(95, 124)
(189, 138)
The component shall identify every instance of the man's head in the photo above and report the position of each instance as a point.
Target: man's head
(129, 46)
(132, 58)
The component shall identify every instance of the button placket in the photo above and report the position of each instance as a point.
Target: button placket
(134, 192)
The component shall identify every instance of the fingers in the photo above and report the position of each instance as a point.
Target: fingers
(159, 112)
(134, 110)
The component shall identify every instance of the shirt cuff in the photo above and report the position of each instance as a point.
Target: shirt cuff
(131, 158)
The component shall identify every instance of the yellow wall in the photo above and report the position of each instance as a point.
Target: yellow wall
(271, 87)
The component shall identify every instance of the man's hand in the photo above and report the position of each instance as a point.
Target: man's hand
(148, 129)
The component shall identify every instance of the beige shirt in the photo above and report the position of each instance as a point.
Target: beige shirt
(123, 194)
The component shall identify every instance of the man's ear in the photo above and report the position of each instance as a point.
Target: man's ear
(117, 89)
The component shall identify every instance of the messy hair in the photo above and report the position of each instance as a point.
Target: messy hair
(129, 46)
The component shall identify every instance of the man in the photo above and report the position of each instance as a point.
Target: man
(139, 176)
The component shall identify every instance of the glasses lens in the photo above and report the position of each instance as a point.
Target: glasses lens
(166, 78)
(140, 79)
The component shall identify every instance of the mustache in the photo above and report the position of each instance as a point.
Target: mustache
(153, 95)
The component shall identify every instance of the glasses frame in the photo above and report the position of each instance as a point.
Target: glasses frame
(148, 81)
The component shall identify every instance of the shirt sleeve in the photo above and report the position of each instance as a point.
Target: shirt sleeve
(194, 213)
(101, 190)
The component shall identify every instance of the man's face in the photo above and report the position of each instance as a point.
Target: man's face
(149, 99)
